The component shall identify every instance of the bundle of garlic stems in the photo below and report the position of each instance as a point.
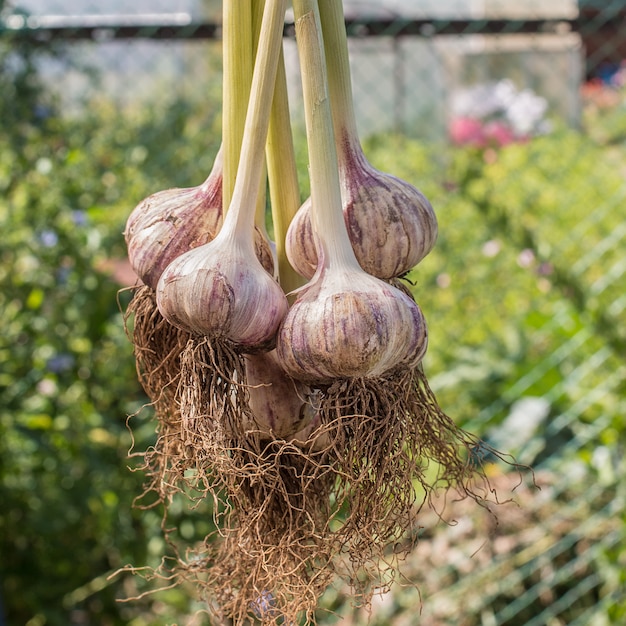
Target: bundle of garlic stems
(286, 376)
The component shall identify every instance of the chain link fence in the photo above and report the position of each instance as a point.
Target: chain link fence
(489, 78)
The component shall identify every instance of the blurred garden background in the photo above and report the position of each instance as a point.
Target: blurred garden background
(509, 116)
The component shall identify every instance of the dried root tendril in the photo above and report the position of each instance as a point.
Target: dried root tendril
(158, 346)
(292, 515)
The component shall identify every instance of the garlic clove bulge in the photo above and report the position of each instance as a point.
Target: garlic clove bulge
(300, 244)
(220, 290)
(348, 324)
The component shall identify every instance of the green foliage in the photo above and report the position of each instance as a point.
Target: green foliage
(526, 264)
(22, 99)
(67, 377)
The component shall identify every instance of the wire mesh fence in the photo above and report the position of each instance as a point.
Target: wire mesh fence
(523, 105)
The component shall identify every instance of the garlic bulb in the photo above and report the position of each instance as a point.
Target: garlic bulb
(221, 290)
(348, 324)
(391, 224)
(280, 404)
(173, 221)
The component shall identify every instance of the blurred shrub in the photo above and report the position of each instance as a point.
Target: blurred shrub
(67, 376)
(526, 263)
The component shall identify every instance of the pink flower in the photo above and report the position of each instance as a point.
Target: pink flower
(498, 133)
(467, 131)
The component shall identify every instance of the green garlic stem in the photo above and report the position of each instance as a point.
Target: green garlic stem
(327, 213)
(258, 7)
(237, 75)
(251, 164)
(283, 177)
(339, 80)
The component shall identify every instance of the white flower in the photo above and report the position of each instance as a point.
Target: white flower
(523, 110)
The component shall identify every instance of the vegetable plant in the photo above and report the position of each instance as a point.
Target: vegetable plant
(295, 401)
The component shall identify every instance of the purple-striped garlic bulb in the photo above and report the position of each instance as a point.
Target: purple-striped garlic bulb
(221, 290)
(173, 221)
(346, 323)
(391, 224)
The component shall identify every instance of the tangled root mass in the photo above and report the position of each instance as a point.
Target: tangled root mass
(292, 514)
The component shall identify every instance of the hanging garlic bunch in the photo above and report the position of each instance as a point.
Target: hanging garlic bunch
(307, 422)
(390, 223)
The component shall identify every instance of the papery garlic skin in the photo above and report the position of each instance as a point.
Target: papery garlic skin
(391, 224)
(265, 251)
(169, 223)
(280, 405)
(347, 324)
(220, 290)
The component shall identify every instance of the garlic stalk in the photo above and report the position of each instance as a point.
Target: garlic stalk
(283, 177)
(220, 289)
(258, 7)
(237, 63)
(391, 225)
(345, 323)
